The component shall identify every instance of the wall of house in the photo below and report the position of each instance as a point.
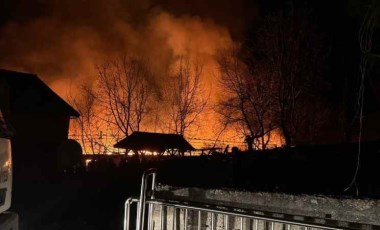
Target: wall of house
(36, 142)
(38, 129)
(40, 120)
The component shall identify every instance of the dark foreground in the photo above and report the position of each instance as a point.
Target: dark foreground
(89, 201)
(94, 199)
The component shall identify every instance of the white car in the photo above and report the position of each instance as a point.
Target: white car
(8, 220)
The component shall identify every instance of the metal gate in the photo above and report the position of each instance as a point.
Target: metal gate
(183, 215)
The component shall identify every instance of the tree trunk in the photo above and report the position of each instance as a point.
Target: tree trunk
(286, 133)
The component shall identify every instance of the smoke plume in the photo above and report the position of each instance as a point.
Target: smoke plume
(63, 41)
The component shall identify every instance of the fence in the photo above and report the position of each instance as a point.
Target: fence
(183, 215)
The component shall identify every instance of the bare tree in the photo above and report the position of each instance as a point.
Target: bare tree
(185, 96)
(115, 105)
(291, 51)
(124, 90)
(367, 60)
(248, 101)
(88, 124)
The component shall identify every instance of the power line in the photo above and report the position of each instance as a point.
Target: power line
(77, 136)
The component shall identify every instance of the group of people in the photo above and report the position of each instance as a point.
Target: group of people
(248, 140)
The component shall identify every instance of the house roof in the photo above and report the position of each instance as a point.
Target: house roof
(28, 94)
(157, 142)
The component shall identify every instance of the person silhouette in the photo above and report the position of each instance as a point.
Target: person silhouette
(225, 152)
(249, 141)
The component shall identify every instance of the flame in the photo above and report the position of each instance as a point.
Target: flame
(64, 47)
(185, 36)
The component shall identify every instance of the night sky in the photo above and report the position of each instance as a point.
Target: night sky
(339, 22)
(63, 40)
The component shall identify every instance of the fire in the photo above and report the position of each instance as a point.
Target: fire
(65, 48)
(191, 37)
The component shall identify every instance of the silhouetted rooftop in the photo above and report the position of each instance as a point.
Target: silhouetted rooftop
(157, 142)
(28, 94)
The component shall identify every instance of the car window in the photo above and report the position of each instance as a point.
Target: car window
(4, 129)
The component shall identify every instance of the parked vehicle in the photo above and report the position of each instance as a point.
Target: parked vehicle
(8, 220)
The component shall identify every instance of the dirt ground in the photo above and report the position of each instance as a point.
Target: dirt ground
(89, 201)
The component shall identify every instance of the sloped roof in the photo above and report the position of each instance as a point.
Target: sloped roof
(158, 142)
(30, 95)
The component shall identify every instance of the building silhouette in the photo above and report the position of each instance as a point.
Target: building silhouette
(40, 120)
(160, 143)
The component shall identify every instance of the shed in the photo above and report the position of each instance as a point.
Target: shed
(160, 143)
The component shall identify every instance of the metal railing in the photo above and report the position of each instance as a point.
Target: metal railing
(184, 215)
